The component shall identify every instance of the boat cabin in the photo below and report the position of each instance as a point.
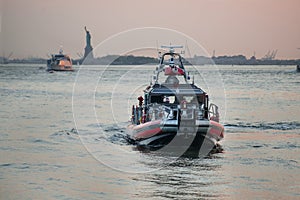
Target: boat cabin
(183, 96)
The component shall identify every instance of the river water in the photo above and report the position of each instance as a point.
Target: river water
(62, 136)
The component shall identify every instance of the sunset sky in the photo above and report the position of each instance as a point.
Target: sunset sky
(36, 28)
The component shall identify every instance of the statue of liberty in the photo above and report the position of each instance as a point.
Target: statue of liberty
(88, 51)
(88, 37)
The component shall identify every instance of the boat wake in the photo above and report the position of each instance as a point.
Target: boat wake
(65, 136)
(265, 126)
(116, 135)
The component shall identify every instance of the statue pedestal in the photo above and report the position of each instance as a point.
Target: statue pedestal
(88, 53)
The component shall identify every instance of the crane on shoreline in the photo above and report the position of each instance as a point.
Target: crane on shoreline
(270, 55)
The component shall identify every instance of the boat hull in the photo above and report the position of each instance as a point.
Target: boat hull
(59, 68)
(169, 138)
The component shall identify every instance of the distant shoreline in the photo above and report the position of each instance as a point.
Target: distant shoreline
(141, 60)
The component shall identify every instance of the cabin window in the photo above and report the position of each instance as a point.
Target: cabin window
(191, 99)
(169, 99)
(188, 99)
(164, 99)
(156, 99)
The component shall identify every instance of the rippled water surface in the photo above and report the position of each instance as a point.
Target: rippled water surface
(62, 136)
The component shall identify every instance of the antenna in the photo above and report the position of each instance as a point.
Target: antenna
(158, 51)
(172, 47)
(61, 49)
(188, 50)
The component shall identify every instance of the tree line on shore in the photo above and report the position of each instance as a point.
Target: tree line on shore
(141, 60)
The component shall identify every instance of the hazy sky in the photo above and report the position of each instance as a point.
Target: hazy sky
(38, 27)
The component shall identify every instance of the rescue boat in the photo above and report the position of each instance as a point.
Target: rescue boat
(174, 115)
(59, 62)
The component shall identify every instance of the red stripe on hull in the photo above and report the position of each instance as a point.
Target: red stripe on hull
(145, 130)
(149, 129)
(148, 133)
(216, 130)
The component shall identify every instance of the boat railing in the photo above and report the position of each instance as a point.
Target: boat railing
(213, 112)
(155, 111)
